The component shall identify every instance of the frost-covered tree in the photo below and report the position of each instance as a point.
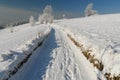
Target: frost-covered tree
(48, 9)
(63, 16)
(11, 28)
(47, 16)
(39, 18)
(32, 21)
(89, 10)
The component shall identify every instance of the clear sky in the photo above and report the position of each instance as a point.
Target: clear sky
(72, 8)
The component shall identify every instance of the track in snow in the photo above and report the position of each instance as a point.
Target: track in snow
(63, 65)
(57, 59)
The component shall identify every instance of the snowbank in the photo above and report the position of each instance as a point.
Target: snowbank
(20, 45)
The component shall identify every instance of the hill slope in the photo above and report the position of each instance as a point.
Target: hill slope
(75, 49)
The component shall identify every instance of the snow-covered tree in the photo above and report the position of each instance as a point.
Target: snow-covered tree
(48, 9)
(89, 10)
(39, 18)
(11, 28)
(47, 16)
(63, 16)
(32, 21)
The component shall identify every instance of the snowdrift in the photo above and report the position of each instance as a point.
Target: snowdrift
(21, 44)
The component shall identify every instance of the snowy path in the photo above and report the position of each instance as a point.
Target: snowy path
(57, 59)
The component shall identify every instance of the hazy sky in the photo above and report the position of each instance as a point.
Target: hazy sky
(15, 9)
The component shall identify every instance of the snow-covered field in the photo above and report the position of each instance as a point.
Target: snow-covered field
(101, 34)
(15, 46)
(75, 49)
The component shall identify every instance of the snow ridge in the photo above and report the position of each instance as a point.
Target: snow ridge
(35, 44)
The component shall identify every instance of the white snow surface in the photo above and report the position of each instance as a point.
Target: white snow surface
(57, 59)
(15, 46)
(101, 34)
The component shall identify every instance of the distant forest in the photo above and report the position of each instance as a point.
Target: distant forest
(2, 26)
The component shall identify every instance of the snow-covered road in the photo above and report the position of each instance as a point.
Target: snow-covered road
(57, 59)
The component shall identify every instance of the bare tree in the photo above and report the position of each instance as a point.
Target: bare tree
(89, 10)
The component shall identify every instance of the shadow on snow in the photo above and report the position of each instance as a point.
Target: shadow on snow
(36, 66)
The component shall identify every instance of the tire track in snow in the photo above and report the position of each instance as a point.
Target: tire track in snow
(57, 59)
(38, 62)
(63, 66)
(75, 64)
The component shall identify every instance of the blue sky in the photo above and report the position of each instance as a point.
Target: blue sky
(72, 8)
(103, 6)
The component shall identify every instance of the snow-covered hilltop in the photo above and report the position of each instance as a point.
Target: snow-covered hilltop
(100, 34)
(70, 49)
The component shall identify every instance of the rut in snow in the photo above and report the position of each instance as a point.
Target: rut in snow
(87, 53)
(57, 59)
(36, 65)
(96, 63)
(63, 65)
(67, 63)
(20, 64)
